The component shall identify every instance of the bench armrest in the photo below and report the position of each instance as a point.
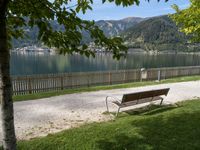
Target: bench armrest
(114, 98)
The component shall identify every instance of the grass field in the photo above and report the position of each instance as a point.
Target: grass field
(156, 128)
(96, 88)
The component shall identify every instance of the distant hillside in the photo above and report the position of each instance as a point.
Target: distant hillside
(151, 34)
(157, 33)
(109, 27)
(31, 36)
(115, 27)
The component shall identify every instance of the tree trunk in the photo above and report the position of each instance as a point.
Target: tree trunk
(6, 103)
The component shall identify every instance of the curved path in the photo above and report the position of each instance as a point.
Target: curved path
(40, 117)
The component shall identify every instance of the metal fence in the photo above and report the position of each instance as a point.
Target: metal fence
(51, 82)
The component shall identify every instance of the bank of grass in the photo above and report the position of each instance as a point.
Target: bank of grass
(162, 128)
(106, 87)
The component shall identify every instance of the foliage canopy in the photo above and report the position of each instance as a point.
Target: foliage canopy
(189, 19)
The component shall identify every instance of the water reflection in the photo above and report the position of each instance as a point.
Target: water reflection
(46, 64)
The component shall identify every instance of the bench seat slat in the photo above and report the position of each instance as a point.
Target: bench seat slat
(145, 94)
(135, 102)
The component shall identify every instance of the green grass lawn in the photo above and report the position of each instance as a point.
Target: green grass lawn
(158, 128)
(96, 88)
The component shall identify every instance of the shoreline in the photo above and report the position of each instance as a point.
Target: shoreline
(142, 51)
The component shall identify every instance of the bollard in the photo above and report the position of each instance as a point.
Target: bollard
(159, 75)
(143, 74)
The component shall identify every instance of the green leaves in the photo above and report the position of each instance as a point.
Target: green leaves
(83, 5)
(188, 20)
(124, 3)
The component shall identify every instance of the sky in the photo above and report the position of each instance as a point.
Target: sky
(109, 11)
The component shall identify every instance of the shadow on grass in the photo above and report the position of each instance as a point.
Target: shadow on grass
(176, 131)
(149, 110)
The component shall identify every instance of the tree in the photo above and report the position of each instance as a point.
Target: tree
(188, 20)
(14, 14)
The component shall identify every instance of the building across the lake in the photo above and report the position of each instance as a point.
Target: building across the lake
(34, 49)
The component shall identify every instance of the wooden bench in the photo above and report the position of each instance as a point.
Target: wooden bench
(138, 98)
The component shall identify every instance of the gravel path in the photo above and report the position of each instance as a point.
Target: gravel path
(41, 117)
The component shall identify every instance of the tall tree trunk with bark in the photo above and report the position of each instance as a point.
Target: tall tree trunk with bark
(6, 103)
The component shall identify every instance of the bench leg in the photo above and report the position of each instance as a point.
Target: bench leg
(161, 101)
(117, 111)
(107, 104)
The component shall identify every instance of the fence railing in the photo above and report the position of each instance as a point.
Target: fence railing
(42, 83)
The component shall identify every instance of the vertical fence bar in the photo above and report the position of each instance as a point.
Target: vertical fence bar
(29, 86)
(61, 82)
(124, 80)
(110, 78)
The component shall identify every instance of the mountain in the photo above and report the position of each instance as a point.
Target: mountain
(157, 33)
(115, 27)
(31, 36)
(151, 34)
(29, 39)
(109, 27)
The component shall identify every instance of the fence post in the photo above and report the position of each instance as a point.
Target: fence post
(29, 86)
(88, 80)
(124, 76)
(61, 81)
(110, 78)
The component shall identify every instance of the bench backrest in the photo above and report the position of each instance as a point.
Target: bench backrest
(145, 94)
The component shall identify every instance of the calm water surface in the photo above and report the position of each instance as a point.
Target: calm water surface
(44, 64)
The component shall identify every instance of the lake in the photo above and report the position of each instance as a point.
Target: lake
(29, 64)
